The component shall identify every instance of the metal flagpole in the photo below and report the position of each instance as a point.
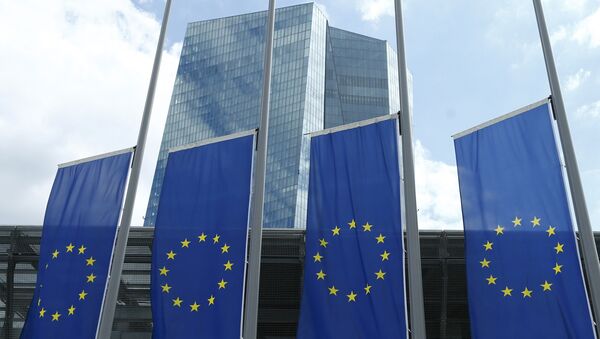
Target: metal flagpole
(258, 196)
(588, 246)
(415, 283)
(114, 279)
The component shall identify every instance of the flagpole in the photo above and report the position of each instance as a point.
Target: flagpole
(588, 245)
(256, 215)
(415, 283)
(114, 278)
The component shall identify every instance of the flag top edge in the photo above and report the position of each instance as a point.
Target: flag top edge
(96, 157)
(501, 118)
(354, 125)
(213, 140)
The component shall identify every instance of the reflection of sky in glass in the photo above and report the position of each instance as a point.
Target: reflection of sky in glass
(219, 85)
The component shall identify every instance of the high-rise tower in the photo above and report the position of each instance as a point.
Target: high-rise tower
(322, 77)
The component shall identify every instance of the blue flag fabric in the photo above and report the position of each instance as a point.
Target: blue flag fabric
(76, 248)
(524, 276)
(200, 239)
(354, 268)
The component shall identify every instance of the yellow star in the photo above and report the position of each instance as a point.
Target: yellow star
(551, 231)
(71, 310)
(211, 300)
(194, 307)
(368, 289)
(91, 278)
(177, 302)
(536, 221)
(526, 293)
(82, 295)
(333, 290)
(55, 316)
(517, 222)
(488, 245)
(336, 231)
(507, 291)
(185, 243)
(557, 269)
(225, 248)
(352, 224)
(485, 263)
(351, 296)
(171, 255)
(70, 247)
(367, 227)
(42, 312)
(321, 275)
(559, 248)
(82, 249)
(202, 237)
(216, 238)
(166, 288)
(90, 261)
(222, 284)
(228, 265)
(546, 286)
(163, 271)
(318, 257)
(55, 254)
(499, 230)
(380, 275)
(491, 280)
(323, 243)
(380, 239)
(385, 256)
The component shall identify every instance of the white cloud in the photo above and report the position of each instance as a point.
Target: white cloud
(373, 10)
(575, 80)
(75, 75)
(438, 197)
(591, 111)
(587, 31)
(559, 35)
(573, 5)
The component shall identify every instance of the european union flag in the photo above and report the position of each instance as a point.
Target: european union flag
(523, 268)
(77, 242)
(200, 239)
(354, 268)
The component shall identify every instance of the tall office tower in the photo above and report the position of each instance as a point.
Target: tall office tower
(322, 77)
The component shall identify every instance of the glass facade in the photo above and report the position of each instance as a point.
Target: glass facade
(322, 77)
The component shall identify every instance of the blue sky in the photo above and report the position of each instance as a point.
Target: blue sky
(471, 61)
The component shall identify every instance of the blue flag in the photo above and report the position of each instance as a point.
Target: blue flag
(524, 276)
(200, 239)
(76, 248)
(354, 268)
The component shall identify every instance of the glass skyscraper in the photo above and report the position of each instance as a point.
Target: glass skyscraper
(322, 77)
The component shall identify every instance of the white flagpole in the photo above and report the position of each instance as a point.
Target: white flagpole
(415, 283)
(114, 278)
(256, 215)
(588, 245)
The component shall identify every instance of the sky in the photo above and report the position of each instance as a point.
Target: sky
(75, 75)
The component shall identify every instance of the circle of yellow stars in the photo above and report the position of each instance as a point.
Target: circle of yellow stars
(379, 275)
(526, 293)
(184, 245)
(90, 279)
